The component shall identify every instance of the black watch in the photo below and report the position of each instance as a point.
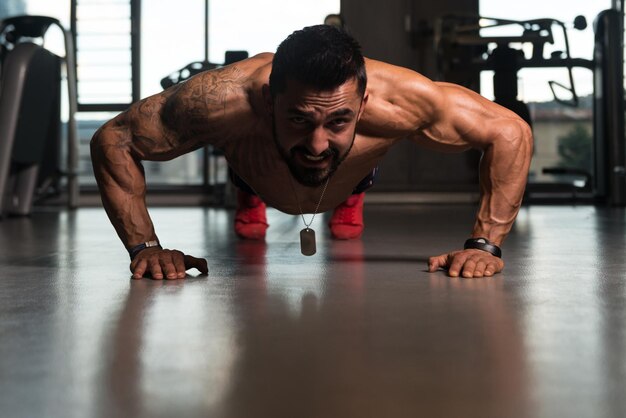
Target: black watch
(484, 245)
(132, 252)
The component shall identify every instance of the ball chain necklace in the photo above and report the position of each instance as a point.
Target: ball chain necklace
(307, 235)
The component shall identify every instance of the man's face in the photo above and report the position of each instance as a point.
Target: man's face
(314, 130)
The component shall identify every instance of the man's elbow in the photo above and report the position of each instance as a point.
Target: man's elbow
(108, 138)
(96, 144)
(518, 136)
(525, 136)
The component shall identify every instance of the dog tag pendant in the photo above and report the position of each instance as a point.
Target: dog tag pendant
(307, 241)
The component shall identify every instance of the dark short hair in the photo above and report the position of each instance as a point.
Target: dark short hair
(320, 56)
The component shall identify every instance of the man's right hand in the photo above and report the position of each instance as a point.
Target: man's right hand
(168, 264)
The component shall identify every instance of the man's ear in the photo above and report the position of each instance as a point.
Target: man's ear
(366, 97)
(267, 97)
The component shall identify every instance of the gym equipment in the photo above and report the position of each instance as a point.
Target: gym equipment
(186, 72)
(30, 123)
(460, 48)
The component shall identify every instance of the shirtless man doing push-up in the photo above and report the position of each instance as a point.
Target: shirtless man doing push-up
(302, 128)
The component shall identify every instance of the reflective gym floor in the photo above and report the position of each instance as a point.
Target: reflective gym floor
(358, 330)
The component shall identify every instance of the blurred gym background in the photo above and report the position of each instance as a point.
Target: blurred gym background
(559, 64)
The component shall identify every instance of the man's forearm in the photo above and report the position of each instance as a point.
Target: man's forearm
(122, 185)
(503, 174)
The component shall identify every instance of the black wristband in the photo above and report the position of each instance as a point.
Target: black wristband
(483, 244)
(138, 248)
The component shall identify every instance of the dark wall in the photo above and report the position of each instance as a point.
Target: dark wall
(380, 27)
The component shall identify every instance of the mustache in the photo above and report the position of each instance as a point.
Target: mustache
(329, 152)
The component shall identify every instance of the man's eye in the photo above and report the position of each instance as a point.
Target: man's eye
(297, 120)
(339, 122)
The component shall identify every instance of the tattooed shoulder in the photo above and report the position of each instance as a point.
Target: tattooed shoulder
(202, 98)
(215, 87)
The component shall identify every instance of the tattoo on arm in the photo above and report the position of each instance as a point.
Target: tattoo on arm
(190, 109)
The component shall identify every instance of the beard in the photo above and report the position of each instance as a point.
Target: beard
(311, 177)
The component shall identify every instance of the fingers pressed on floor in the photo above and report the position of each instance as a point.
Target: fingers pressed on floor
(468, 268)
(155, 270)
(456, 266)
(139, 269)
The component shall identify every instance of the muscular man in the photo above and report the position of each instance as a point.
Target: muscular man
(302, 128)
(346, 221)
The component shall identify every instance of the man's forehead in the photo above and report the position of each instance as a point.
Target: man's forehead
(297, 93)
(293, 85)
(344, 111)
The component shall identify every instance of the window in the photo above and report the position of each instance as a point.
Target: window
(172, 36)
(104, 54)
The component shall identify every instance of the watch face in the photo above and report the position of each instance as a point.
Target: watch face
(481, 240)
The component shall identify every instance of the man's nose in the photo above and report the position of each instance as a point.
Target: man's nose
(317, 142)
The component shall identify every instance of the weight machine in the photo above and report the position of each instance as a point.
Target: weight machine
(30, 118)
(460, 47)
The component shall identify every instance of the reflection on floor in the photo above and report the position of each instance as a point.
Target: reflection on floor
(358, 330)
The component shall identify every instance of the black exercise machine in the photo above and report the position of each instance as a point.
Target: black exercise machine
(30, 116)
(460, 47)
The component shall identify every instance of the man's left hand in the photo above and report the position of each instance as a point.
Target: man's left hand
(468, 263)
